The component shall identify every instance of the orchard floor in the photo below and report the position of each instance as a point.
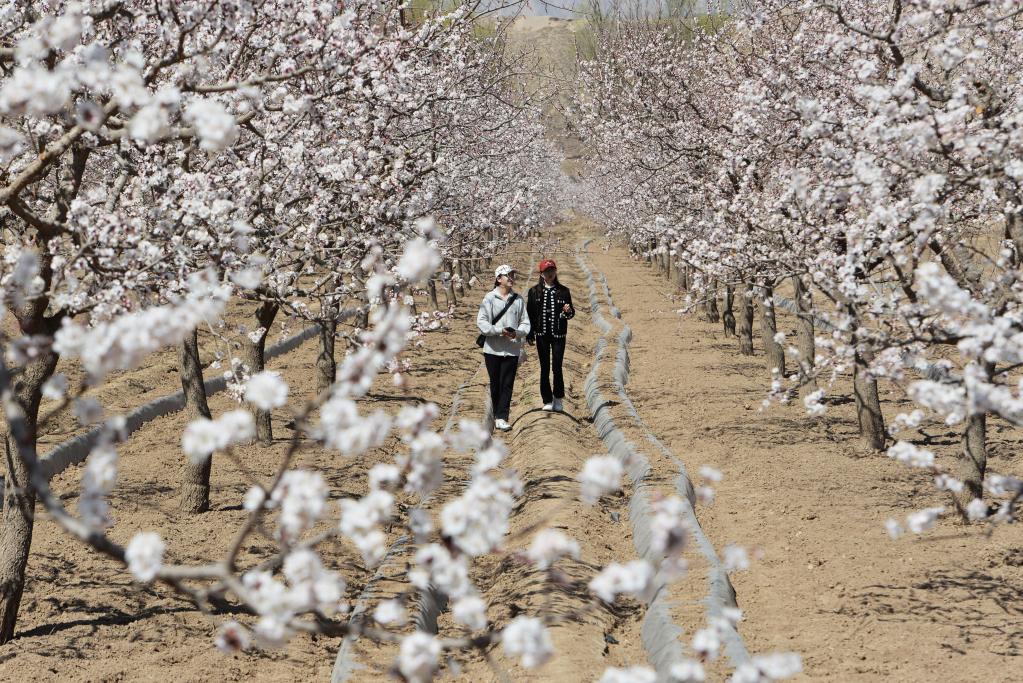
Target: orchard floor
(828, 582)
(831, 584)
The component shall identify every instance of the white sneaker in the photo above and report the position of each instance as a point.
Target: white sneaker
(548, 406)
(558, 405)
(502, 425)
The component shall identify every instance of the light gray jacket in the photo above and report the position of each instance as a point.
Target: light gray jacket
(515, 316)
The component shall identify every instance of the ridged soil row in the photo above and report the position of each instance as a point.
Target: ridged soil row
(361, 659)
(547, 450)
(684, 606)
(58, 597)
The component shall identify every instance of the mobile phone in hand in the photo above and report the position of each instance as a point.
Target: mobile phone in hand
(510, 330)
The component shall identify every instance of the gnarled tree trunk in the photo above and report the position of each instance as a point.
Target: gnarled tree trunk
(195, 480)
(431, 288)
(710, 304)
(326, 365)
(19, 496)
(773, 351)
(805, 336)
(449, 286)
(255, 359)
(728, 316)
(868, 402)
(745, 321)
(456, 268)
(973, 458)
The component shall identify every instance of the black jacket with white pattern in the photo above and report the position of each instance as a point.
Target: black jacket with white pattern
(544, 306)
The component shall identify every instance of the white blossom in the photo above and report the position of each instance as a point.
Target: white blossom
(633, 578)
(214, 126)
(56, 387)
(735, 558)
(600, 475)
(923, 520)
(911, 455)
(470, 611)
(301, 497)
(419, 262)
(687, 671)
(706, 643)
(266, 390)
(976, 510)
(478, 519)
(203, 437)
(527, 638)
(390, 612)
(232, 637)
(549, 546)
(633, 674)
(418, 657)
(144, 556)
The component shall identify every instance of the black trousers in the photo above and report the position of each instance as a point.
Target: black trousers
(501, 370)
(552, 352)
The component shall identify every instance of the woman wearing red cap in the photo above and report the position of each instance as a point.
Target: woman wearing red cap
(549, 307)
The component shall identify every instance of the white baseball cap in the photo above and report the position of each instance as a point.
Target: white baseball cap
(503, 269)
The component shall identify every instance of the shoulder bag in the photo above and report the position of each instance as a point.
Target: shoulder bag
(482, 339)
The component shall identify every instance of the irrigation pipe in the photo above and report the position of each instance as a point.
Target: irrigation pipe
(74, 451)
(659, 634)
(429, 603)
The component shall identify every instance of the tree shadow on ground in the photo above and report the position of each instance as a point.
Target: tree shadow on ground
(105, 615)
(984, 610)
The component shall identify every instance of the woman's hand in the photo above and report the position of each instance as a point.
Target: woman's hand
(566, 308)
(508, 332)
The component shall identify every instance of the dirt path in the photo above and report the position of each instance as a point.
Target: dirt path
(83, 621)
(831, 585)
(547, 452)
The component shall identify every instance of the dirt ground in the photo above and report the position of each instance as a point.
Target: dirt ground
(827, 582)
(831, 583)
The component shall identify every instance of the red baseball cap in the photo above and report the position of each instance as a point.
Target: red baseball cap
(545, 264)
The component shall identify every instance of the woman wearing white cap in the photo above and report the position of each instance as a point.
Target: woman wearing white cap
(503, 325)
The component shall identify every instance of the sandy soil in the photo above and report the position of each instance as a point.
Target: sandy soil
(828, 583)
(81, 618)
(832, 584)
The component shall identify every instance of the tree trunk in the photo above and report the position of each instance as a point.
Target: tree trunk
(728, 317)
(449, 287)
(456, 268)
(973, 458)
(326, 365)
(431, 288)
(773, 351)
(19, 496)
(256, 361)
(746, 322)
(710, 305)
(868, 403)
(195, 480)
(805, 336)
